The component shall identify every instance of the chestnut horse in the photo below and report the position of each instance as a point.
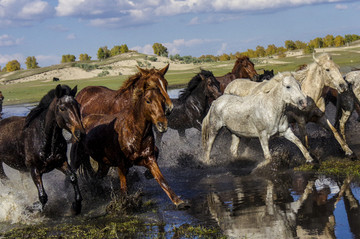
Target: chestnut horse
(243, 68)
(35, 143)
(125, 139)
(102, 100)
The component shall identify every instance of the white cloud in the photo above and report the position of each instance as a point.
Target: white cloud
(6, 58)
(6, 40)
(71, 36)
(47, 60)
(23, 12)
(341, 6)
(147, 49)
(59, 28)
(222, 49)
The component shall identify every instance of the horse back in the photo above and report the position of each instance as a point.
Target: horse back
(225, 80)
(97, 100)
(12, 142)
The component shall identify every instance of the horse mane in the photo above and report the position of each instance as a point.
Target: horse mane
(193, 83)
(44, 104)
(267, 86)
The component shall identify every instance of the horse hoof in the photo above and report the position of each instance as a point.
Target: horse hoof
(352, 157)
(183, 205)
(76, 208)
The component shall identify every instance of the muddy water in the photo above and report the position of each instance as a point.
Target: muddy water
(278, 203)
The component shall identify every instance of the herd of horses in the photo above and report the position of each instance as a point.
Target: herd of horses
(121, 128)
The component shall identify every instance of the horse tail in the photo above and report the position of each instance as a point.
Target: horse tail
(205, 129)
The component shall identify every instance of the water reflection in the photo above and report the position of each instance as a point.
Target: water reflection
(291, 206)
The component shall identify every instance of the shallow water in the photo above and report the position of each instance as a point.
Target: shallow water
(274, 204)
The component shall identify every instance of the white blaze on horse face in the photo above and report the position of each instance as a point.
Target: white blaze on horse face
(162, 85)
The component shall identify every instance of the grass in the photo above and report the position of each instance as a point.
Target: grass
(31, 92)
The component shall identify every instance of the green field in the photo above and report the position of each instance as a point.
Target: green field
(29, 92)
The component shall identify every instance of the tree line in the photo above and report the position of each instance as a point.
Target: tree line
(160, 50)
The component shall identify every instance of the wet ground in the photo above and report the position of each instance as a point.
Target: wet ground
(276, 203)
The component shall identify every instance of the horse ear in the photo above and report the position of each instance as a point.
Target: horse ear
(73, 91)
(58, 91)
(142, 71)
(164, 70)
(316, 60)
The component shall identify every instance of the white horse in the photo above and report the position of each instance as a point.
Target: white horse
(322, 72)
(259, 115)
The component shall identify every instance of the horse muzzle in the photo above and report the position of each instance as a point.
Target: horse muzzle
(168, 109)
(302, 104)
(256, 78)
(161, 127)
(343, 87)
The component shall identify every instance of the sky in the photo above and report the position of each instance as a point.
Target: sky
(50, 29)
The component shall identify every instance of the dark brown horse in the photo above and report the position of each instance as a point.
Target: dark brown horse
(193, 103)
(243, 68)
(102, 100)
(35, 143)
(126, 138)
(1, 103)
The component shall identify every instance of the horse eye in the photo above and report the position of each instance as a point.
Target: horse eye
(327, 69)
(61, 108)
(148, 101)
(288, 87)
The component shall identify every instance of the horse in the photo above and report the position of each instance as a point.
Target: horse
(346, 101)
(125, 139)
(193, 104)
(102, 100)
(35, 143)
(260, 115)
(267, 75)
(243, 68)
(313, 78)
(1, 103)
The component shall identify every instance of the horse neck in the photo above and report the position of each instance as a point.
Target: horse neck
(197, 99)
(312, 82)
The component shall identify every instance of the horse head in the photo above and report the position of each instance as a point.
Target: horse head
(67, 111)
(211, 86)
(150, 102)
(330, 70)
(244, 68)
(292, 93)
(156, 77)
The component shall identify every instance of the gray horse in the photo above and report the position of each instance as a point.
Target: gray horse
(260, 115)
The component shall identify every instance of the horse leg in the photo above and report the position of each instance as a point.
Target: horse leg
(327, 125)
(264, 141)
(344, 118)
(66, 169)
(37, 178)
(209, 131)
(158, 138)
(357, 108)
(235, 140)
(153, 166)
(289, 135)
(122, 177)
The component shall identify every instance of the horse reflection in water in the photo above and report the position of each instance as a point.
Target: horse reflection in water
(126, 138)
(243, 68)
(265, 207)
(35, 143)
(260, 115)
(193, 104)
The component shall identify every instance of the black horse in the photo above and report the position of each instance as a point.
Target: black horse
(35, 143)
(193, 103)
(267, 75)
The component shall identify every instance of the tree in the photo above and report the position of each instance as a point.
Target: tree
(160, 50)
(260, 51)
(290, 45)
(317, 42)
(84, 57)
(300, 44)
(13, 65)
(124, 48)
(339, 41)
(116, 50)
(271, 50)
(103, 53)
(328, 41)
(31, 62)
(308, 49)
(68, 58)
(224, 57)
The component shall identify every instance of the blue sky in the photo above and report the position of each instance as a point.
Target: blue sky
(50, 29)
